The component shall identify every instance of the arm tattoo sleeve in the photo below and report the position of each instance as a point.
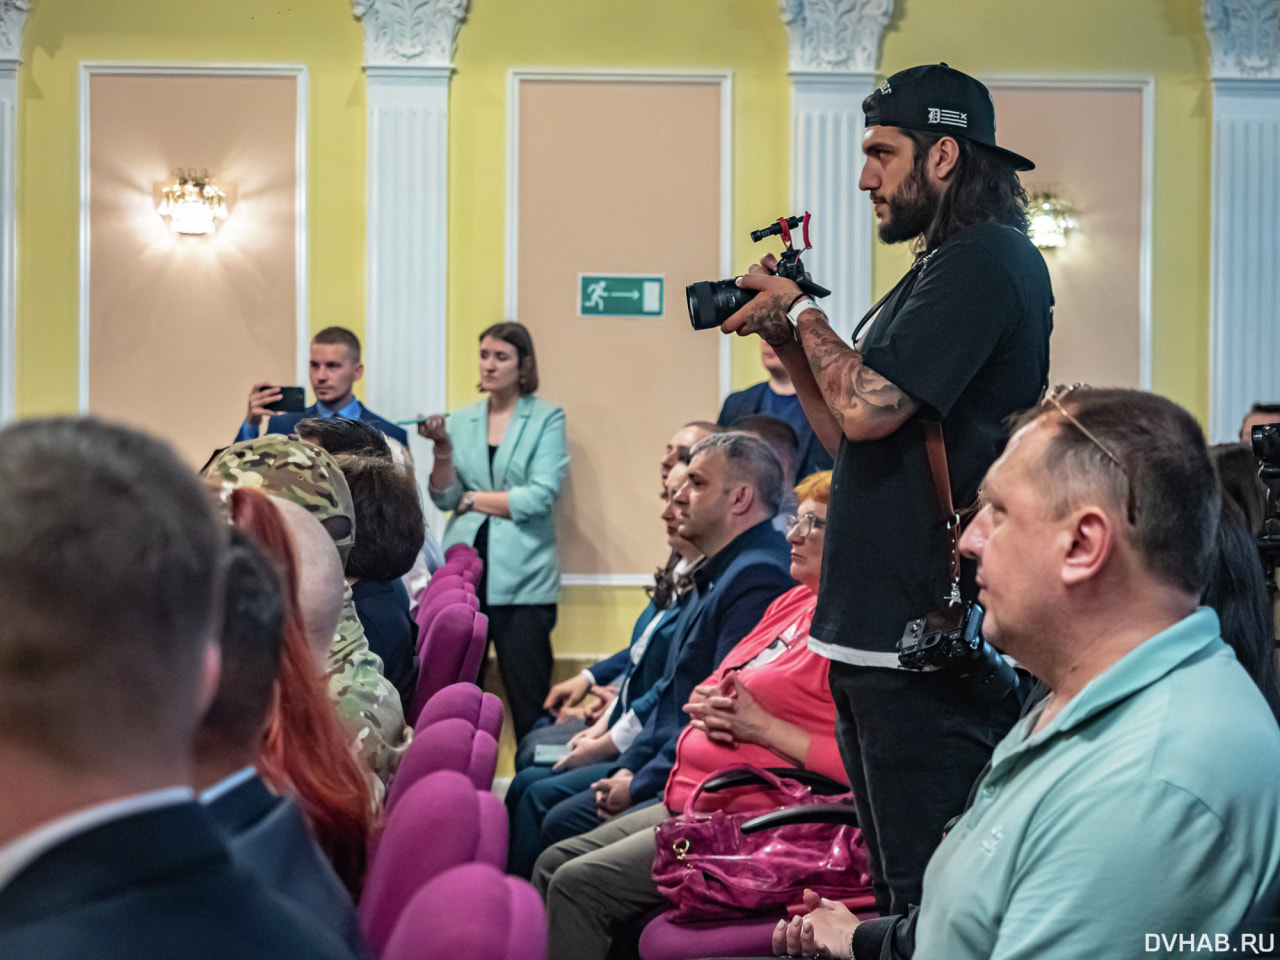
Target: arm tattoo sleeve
(849, 387)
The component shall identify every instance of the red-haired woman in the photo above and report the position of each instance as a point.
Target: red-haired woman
(305, 750)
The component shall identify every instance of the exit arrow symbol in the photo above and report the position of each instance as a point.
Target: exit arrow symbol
(632, 295)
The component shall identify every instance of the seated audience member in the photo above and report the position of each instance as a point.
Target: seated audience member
(682, 442)
(335, 370)
(1237, 592)
(536, 789)
(1140, 796)
(293, 469)
(305, 751)
(776, 397)
(782, 440)
(389, 521)
(267, 833)
(726, 508)
(1259, 415)
(767, 704)
(112, 562)
(342, 435)
(1238, 473)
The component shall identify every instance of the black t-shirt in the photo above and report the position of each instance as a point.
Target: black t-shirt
(969, 337)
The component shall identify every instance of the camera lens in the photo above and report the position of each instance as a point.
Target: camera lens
(712, 302)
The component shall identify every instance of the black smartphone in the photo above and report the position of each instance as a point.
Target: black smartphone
(292, 400)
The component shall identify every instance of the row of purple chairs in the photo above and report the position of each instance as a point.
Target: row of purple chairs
(441, 852)
(451, 630)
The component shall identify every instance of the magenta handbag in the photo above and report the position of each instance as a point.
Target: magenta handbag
(708, 869)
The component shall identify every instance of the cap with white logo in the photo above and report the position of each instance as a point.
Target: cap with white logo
(937, 98)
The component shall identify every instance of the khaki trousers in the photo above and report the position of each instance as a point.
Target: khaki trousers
(598, 880)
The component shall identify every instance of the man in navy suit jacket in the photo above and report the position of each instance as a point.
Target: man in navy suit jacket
(267, 834)
(111, 558)
(335, 369)
(727, 505)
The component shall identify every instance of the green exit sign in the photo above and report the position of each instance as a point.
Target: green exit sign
(619, 295)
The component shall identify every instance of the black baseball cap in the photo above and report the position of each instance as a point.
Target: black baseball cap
(940, 99)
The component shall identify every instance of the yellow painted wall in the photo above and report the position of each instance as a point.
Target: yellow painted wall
(1163, 39)
(320, 34)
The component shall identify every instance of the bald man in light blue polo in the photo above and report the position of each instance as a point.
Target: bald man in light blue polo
(1136, 810)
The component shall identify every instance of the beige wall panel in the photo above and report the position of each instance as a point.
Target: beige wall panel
(618, 178)
(179, 327)
(1087, 147)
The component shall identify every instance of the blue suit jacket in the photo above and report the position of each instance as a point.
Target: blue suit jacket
(157, 885)
(285, 422)
(813, 456)
(269, 836)
(529, 465)
(732, 591)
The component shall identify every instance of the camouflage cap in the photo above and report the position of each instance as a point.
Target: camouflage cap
(289, 467)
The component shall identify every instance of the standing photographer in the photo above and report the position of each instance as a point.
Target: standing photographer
(963, 337)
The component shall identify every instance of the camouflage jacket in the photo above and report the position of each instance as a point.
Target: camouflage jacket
(295, 470)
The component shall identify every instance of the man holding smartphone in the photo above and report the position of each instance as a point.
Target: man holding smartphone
(335, 368)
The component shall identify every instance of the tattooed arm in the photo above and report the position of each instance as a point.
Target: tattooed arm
(859, 402)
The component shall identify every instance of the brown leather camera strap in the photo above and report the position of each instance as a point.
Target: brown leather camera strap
(937, 450)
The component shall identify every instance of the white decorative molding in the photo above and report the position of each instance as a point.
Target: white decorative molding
(407, 253)
(410, 32)
(826, 138)
(1244, 37)
(606, 579)
(512, 239)
(302, 326)
(13, 18)
(835, 36)
(1244, 273)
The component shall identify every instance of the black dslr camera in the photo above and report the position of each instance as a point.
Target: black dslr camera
(950, 638)
(712, 302)
(1266, 448)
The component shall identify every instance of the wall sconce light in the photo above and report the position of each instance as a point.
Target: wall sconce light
(191, 204)
(1050, 220)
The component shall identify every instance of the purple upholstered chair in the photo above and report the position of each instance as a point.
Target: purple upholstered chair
(433, 604)
(475, 652)
(441, 822)
(471, 911)
(446, 578)
(445, 655)
(664, 940)
(467, 702)
(459, 550)
(451, 744)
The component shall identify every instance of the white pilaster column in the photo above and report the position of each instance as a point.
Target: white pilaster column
(13, 16)
(1244, 307)
(834, 45)
(408, 51)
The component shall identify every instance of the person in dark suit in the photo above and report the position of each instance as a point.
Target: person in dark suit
(111, 559)
(267, 833)
(776, 397)
(335, 369)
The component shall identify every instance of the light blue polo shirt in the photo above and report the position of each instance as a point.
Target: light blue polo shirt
(1149, 805)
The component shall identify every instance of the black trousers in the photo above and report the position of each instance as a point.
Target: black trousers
(521, 637)
(912, 744)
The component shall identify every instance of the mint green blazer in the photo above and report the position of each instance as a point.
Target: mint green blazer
(523, 565)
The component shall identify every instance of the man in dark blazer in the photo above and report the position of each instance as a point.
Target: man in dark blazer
(111, 559)
(727, 506)
(335, 369)
(267, 833)
(776, 397)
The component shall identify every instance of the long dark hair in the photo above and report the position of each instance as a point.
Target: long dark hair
(983, 187)
(1238, 592)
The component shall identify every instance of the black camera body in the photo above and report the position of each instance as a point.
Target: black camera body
(1266, 449)
(950, 638)
(712, 302)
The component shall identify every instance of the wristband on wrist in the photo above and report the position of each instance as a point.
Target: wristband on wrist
(799, 307)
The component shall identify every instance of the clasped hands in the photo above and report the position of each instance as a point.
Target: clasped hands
(727, 712)
(825, 931)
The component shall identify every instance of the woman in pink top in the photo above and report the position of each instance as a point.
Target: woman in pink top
(767, 704)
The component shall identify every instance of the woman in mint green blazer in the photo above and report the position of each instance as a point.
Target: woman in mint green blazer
(498, 466)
